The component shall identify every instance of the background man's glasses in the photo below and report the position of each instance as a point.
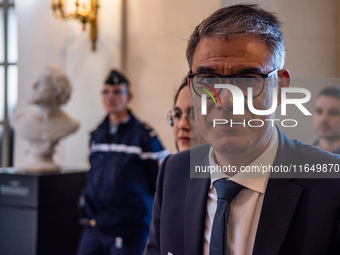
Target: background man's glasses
(117, 92)
(204, 81)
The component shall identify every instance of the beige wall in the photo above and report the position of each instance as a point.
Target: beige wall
(44, 40)
(157, 31)
(156, 63)
(156, 37)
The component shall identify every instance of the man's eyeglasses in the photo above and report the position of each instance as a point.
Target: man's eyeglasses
(118, 92)
(201, 81)
(176, 115)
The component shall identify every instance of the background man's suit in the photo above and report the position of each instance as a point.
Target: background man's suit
(299, 216)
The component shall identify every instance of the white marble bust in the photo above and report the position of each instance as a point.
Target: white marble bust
(42, 122)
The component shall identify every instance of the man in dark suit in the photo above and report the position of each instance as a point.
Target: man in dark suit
(291, 205)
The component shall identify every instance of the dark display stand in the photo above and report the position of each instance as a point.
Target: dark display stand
(38, 212)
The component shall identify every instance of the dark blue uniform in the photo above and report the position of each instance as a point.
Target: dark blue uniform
(121, 185)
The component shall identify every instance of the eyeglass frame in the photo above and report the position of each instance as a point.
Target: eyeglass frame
(171, 117)
(263, 76)
(117, 92)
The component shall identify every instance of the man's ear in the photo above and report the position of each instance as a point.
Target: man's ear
(284, 82)
(130, 96)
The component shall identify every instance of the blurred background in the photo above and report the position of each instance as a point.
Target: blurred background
(146, 40)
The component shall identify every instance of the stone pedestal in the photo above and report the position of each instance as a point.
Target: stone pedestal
(38, 212)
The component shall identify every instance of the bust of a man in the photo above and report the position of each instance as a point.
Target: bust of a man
(43, 123)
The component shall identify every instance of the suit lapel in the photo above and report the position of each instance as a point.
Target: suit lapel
(278, 208)
(195, 213)
(280, 201)
(196, 204)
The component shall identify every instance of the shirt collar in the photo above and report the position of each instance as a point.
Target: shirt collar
(251, 180)
(114, 126)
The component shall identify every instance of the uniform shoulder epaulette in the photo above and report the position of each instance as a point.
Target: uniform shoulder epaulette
(151, 131)
(147, 126)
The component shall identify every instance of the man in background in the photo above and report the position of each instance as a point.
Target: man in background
(124, 156)
(326, 119)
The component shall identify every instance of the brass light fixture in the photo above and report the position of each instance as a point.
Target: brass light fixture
(85, 14)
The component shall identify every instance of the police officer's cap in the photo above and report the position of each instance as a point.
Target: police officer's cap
(115, 78)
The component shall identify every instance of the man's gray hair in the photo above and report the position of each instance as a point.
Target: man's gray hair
(241, 19)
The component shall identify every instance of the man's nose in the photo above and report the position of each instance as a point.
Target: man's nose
(226, 98)
(112, 95)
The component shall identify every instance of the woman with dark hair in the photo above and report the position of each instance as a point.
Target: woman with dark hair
(181, 118)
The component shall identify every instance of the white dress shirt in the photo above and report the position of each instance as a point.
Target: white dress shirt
(245, 209)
